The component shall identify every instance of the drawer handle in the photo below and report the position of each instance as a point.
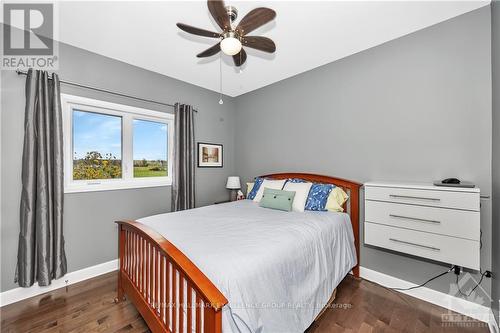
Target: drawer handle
(412, 197)
(415, 244)
(414, 219)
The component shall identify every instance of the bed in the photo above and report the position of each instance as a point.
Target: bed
(238, 267)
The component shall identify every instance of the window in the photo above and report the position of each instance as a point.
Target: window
(111, 146)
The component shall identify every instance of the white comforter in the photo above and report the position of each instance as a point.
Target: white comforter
(277, 269)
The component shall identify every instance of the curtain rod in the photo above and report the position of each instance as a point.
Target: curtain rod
(69, 83)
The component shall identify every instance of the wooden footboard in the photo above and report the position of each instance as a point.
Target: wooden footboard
(169, 291)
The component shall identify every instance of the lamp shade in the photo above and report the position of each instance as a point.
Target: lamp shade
(233, 183)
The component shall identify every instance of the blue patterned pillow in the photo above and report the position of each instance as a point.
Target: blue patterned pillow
(255, 188)
(318, 196)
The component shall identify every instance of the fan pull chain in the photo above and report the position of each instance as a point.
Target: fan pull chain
(220, 76)
(241, 51)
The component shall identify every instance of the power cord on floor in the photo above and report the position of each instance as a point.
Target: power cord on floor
(423, 284)
(483, 274)
(475, 287)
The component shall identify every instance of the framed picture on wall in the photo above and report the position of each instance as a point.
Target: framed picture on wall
(210, 155)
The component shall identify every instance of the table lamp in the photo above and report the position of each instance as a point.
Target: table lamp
(233, 184)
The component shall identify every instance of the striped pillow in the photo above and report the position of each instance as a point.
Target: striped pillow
(318, 196)
(255, 188)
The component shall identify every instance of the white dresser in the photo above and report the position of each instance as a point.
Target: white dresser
(438, 223)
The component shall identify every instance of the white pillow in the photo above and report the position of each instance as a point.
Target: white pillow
(267, 183)
(301, 193)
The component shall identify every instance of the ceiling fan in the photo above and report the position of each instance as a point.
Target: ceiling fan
(233, 39)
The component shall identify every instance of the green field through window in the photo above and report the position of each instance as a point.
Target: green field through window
(150, 149)
(97, 146)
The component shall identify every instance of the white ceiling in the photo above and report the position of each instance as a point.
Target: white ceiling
(307, 35)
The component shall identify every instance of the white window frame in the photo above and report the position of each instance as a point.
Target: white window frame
(128, 114)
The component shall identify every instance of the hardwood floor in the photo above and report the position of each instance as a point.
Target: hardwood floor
(88, 307)
(377, 309)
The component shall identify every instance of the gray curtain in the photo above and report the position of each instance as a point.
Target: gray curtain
(40, 255)
(184, 158)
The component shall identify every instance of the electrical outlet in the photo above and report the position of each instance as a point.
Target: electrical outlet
(488, 274)
(457, 270)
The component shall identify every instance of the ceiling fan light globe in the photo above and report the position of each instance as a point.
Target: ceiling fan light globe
(230, 46)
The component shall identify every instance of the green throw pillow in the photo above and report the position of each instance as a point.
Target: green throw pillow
(277, 199)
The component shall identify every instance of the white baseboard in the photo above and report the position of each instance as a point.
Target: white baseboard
(456, 304)
(18, 294)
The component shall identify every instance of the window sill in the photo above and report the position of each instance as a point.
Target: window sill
(109, 186)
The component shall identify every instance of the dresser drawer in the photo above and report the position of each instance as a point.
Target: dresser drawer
(449, 222)
(435, 198)
(446, 249)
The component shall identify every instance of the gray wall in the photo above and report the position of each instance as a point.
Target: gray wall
(88, 226)
(417, 108)
(495, 28)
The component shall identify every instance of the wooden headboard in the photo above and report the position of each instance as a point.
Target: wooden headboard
(351, 206)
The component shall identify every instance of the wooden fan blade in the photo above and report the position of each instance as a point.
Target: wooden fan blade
(210, 51)
(197, 31)
(240, 58)
(219, 13)
(254, 19)
(260, 43)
